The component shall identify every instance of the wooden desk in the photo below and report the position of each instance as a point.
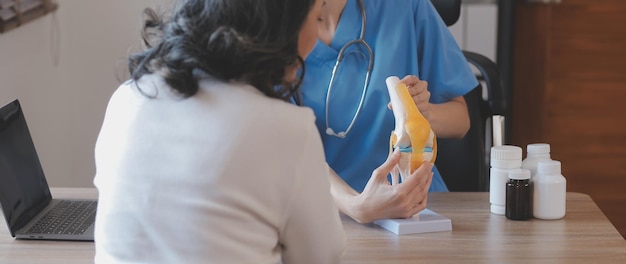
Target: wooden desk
(585, 235)
(477, 236)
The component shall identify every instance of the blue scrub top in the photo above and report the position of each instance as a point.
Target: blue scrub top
(408, 38)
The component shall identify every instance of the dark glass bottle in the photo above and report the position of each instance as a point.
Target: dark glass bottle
(518, 195)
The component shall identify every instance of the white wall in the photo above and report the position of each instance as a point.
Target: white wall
(63, 68)
(476, 29)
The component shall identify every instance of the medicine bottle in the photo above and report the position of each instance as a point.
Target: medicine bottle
(549, 190)
(534, 153)
(519, 195)
(503, 159)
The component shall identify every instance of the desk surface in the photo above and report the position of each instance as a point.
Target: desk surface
(585, 235)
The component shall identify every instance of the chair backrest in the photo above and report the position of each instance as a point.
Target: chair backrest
(464, 163)
(449, 10)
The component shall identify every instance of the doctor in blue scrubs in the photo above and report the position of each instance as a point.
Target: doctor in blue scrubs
(362, 42)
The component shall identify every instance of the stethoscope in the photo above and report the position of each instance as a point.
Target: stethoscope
(340, 57)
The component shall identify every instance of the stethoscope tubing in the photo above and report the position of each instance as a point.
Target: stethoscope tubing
(370, 65)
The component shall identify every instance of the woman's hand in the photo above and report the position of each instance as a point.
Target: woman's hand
(381, 200)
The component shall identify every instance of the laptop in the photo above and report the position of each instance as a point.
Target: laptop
(27, 205)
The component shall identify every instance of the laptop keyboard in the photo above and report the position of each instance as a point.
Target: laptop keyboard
(66, 217)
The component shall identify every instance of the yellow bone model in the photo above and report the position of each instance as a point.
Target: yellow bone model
(412, 133)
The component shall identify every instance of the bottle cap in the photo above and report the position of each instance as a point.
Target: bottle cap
(506, 156)
(519, 174)
(538, 148)
(549, 167)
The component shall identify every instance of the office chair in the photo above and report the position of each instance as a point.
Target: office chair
(464, 163)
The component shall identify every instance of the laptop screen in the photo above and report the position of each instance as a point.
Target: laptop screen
(24, 191)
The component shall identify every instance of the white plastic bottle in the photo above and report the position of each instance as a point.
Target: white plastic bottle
(549, 190)
(503, 159)
(534, 153)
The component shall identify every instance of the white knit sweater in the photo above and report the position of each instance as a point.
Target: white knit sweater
(225, 176)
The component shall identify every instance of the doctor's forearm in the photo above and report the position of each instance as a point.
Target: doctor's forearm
(450, 119)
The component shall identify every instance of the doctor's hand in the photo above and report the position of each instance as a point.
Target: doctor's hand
(381, 200)
(418, 89)
(448, 119)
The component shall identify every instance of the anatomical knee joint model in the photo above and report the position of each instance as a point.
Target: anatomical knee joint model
(412, 133)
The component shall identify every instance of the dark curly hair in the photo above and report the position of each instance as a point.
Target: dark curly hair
(253, 41)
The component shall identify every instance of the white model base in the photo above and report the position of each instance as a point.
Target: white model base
(423, 222)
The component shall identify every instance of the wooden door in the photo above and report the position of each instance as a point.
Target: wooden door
(569, 90)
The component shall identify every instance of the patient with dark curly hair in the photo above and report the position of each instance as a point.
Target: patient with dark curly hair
(201, 158)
